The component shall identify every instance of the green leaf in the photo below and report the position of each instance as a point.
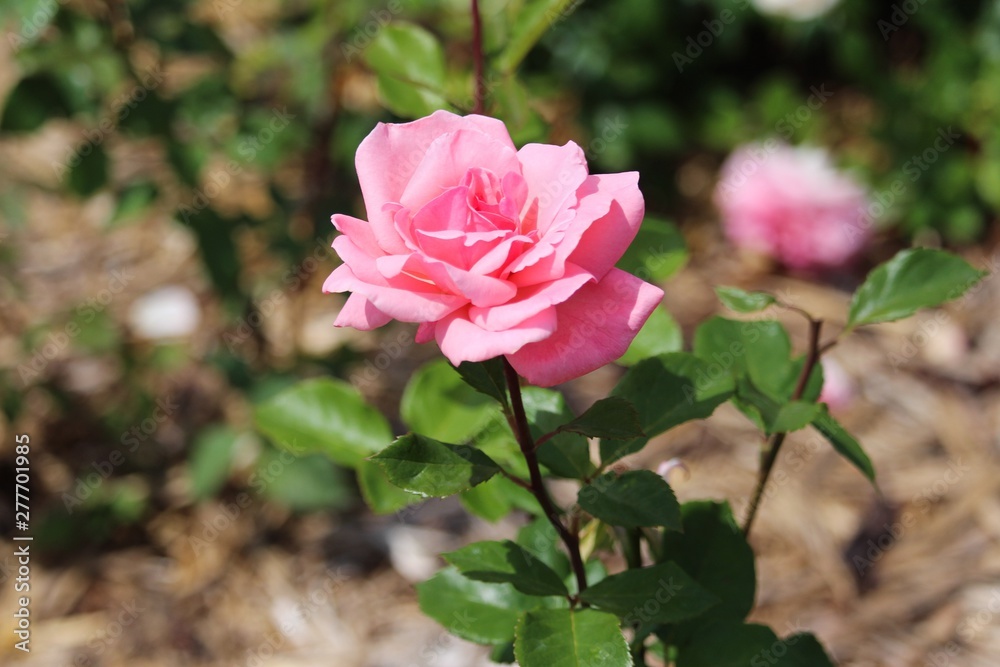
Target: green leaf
(324, 416)
(211, 456)
(802, 650)
(565, 454)
(91, 172)
(304, 484)
(531, 23)
(659, 335)
(844, 442)
(776, 417)
(496, 498)
(426, 466)
(476, 611)
(486, 377)
(612, 417)
(728, 643)
(410, 64)
(742, 301)
(661, 593)
(913, 279)
(438, 403)
(507, 563)
(564, 638)
(666, 391)
(713, 550)
(657, 252)
(760, 350)
(633, 499)
(34, 100)
(381, 495)
(540, 538)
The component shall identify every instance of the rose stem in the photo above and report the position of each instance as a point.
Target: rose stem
(519, 422)
(770, 452)
(477, 54)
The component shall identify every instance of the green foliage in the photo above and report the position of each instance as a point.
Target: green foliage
(566, 454)
(632, 499)
(410, 64)
(913, 279)
(422, 465)
(570, 638)
(324, 416)
(507, 563)
(613, 418)
(210, 458)
(844, 443)
(476, 611)
(439, 404)
(659, 335)
(742, 301)
(34, 100)
(661, 593)
(666, 391)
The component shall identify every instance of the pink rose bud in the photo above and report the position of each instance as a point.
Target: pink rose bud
(793, 205)
(492, 250)
(838, 387)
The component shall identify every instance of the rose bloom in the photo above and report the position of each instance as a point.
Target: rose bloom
(492, 250)
(793, 205)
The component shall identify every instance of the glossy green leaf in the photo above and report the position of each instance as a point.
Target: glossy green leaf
(713, 550)
(613, 417)
(507, 563)
(486, 377)
(632, 499)
(381, 495)
(474, 610)
(90, 173)
(661, 593)
(659, 335)
(438, 403)
(34, 100)
(325, 416)
(410, 64)
(742, 301)
(666, 391)
(565, 638)
(419, 464)
(842, 441)
(913, 279)
(760, 350)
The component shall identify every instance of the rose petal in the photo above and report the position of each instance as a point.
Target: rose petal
(530, 301)
(358, 231)
(461, 340)
(388, 157)
(449, 158)
(552, 175)
(596, 326)
(405, 305)
(359, 313)
(605, 240)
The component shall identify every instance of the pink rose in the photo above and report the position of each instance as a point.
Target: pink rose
(792, 204)
(492, 250)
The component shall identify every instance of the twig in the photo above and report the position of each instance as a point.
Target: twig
(769, 455)
(519, 423)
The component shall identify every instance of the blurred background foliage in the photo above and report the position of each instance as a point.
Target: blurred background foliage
(238, 122)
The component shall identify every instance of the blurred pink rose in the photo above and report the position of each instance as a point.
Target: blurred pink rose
(792, 204)
(838, 387)
(493, 250)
